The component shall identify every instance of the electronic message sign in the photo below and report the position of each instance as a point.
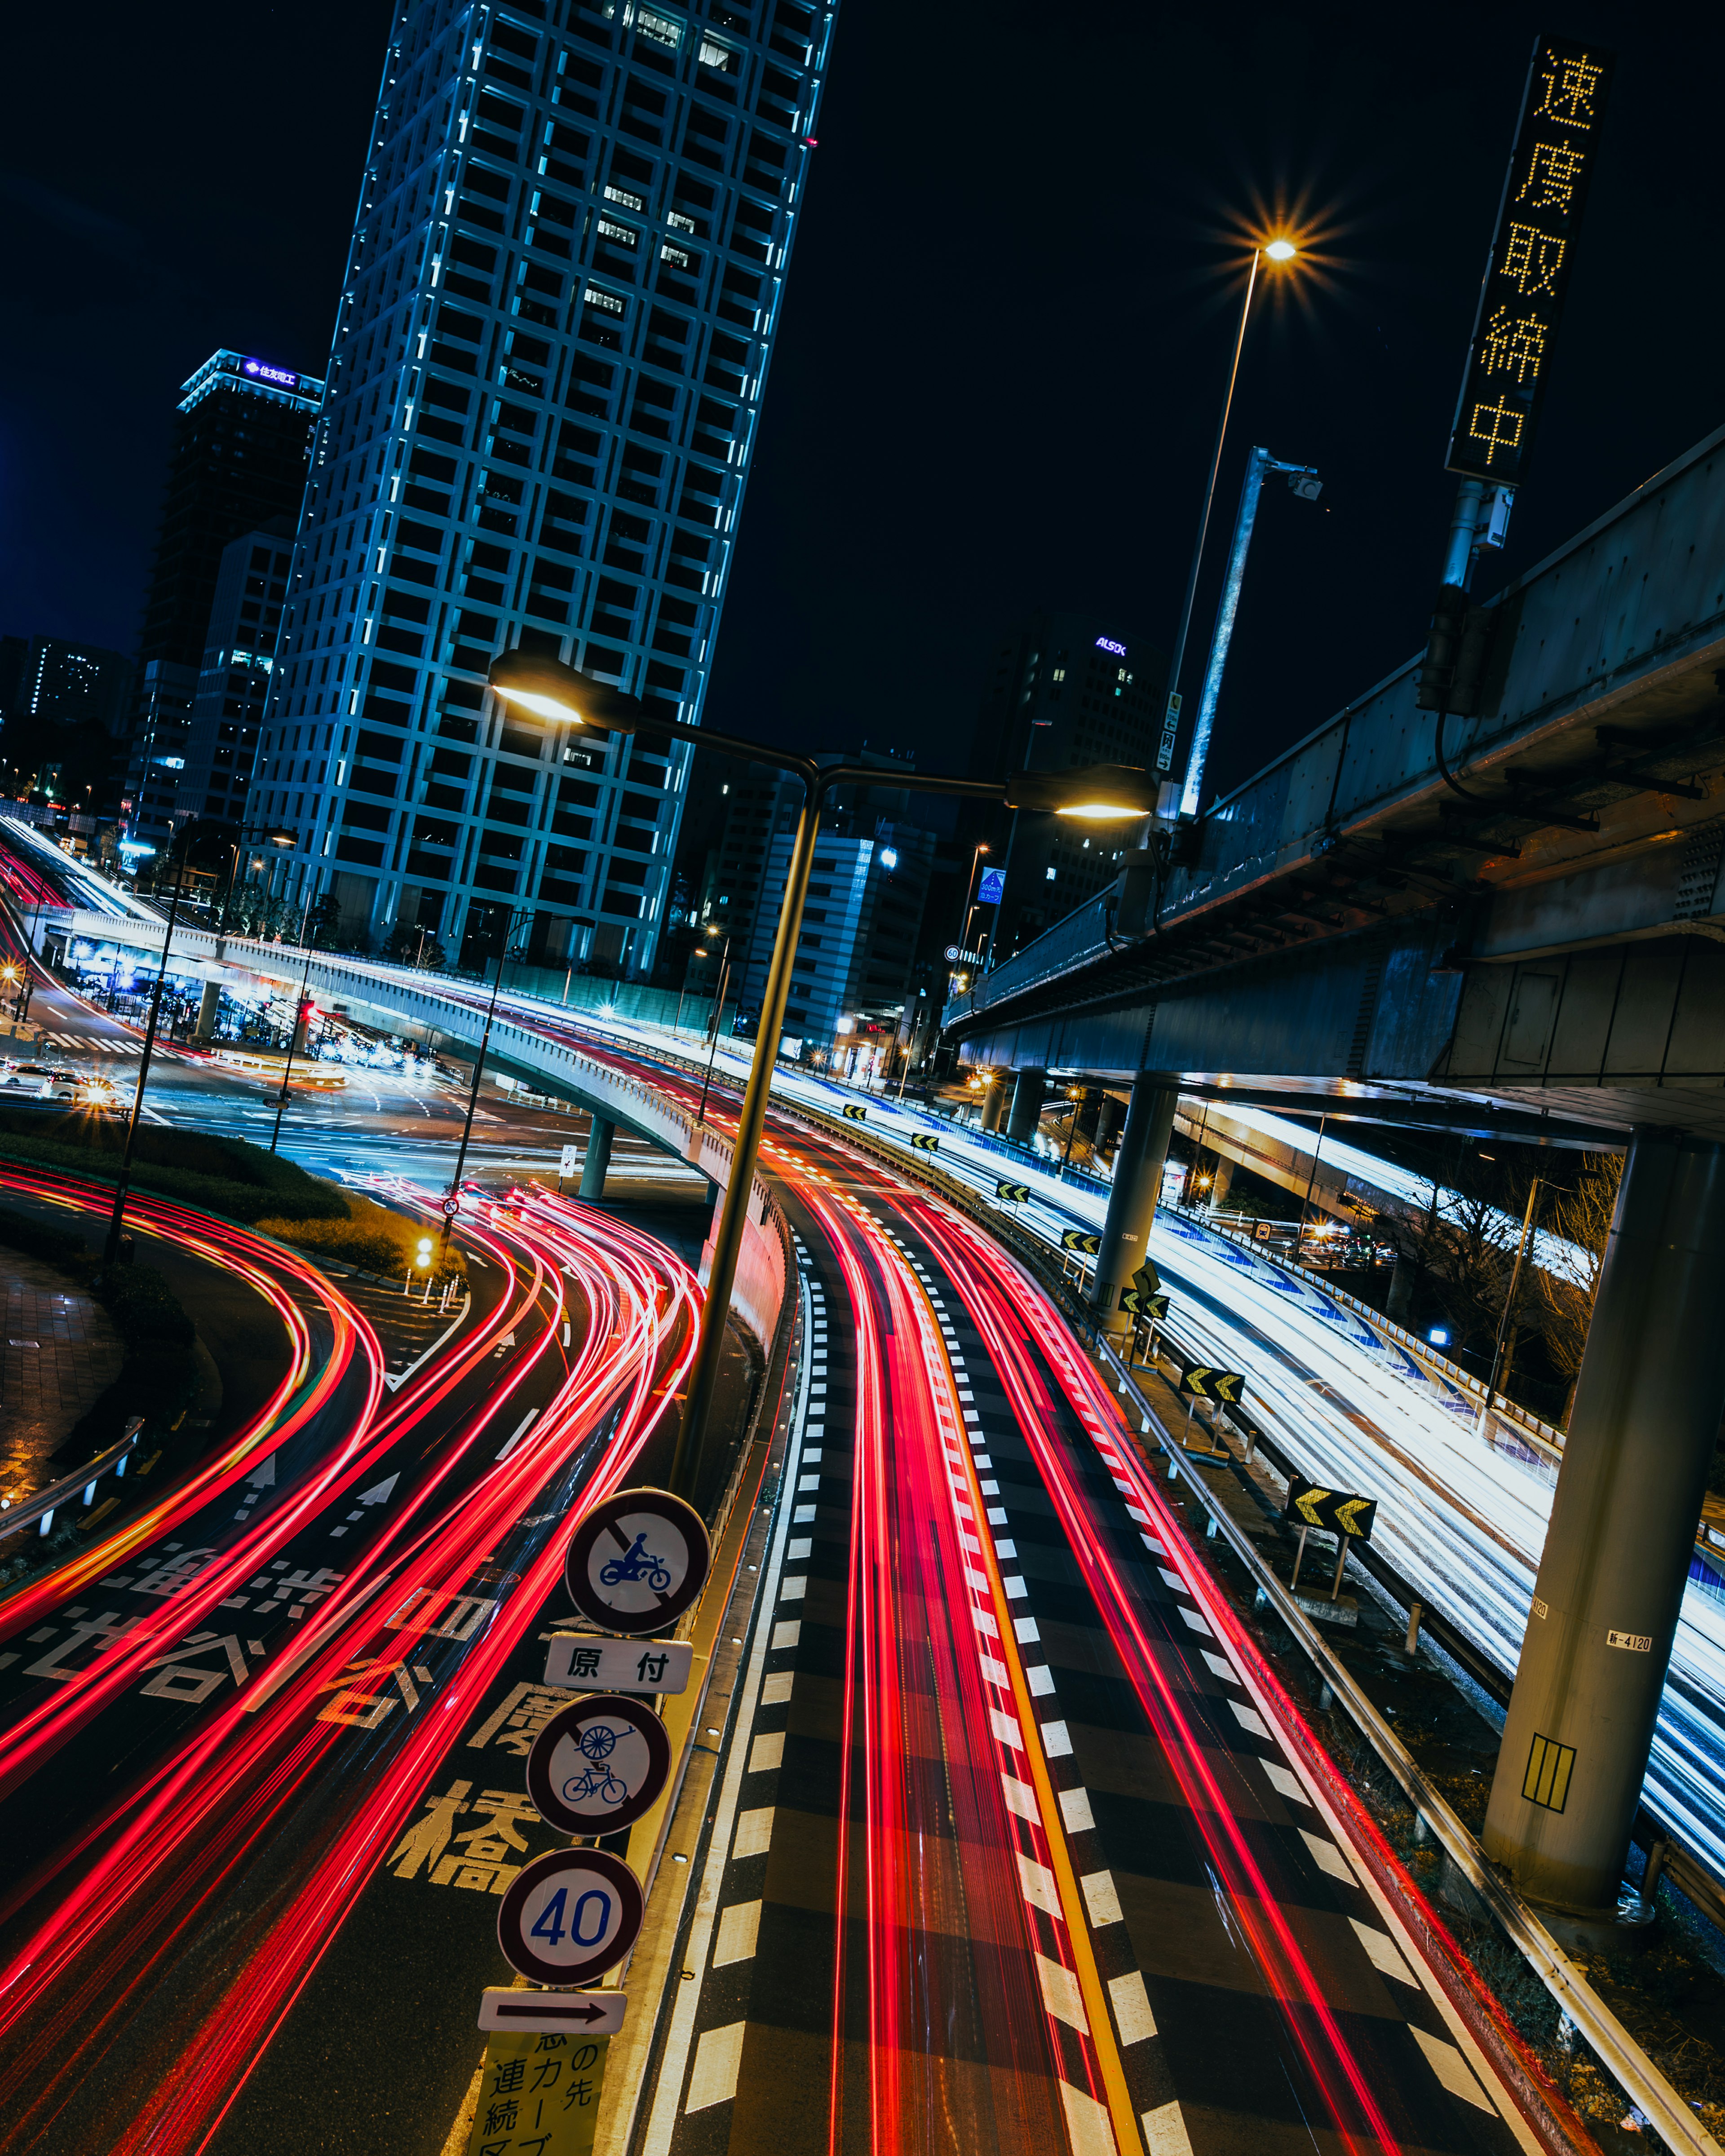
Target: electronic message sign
(1532, 252)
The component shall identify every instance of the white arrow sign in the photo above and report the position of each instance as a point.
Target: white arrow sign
(540, 2013)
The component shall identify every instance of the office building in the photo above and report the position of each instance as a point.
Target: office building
(241, 450)
(64, 704)
(232, 683)
(1066, 690)
(563, 285)
(852, 978)
(240, 454)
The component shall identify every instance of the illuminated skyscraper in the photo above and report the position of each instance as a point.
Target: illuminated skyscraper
(563, 284)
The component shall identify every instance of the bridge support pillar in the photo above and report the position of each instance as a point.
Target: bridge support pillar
(1221, 1177)
(597, 1159)
(1110, 1117)
(207, 1007)
(1610, 1583)
(994, 1100)
(1028, 1089)
(1137, 1185)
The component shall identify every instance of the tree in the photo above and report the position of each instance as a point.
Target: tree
(1563, 1293)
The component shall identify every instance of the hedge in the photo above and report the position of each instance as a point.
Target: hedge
(222, 1175)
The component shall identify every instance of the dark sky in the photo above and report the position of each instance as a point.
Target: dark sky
(1004, 346)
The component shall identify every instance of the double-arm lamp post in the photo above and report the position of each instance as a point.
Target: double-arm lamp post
(1106, 792)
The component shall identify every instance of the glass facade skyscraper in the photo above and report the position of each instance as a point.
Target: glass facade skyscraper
(563, 284)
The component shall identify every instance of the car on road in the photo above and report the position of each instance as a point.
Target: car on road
(34, 1078)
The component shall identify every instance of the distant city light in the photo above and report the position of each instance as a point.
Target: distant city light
(1439, 1336)
(889, 857)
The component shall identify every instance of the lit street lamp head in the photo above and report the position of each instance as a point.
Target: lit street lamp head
(553, 691)
(1098, 792)
(1280, 251)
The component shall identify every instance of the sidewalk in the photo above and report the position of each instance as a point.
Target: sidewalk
(58, 1350)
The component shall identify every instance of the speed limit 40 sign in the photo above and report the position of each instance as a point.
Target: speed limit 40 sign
(571, 1915)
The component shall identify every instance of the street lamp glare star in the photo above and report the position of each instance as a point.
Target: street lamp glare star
(1280, 251)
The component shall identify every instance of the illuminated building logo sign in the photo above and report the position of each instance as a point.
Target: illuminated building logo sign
(1107, 644)
(1522, 298)
(280, 376)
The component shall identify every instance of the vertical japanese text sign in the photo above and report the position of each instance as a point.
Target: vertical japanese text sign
(1532, 251)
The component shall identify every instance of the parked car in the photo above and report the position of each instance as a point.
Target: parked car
(59, 1085)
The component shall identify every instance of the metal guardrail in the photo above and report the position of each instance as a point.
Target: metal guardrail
(14, 1519)
(1635, 2072)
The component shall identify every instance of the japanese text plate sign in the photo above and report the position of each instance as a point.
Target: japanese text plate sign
(1532, 252)
(637, 1560)
(570, 1916)
(539, 2094)
(598, 1765)
(575, 1663)
(1311, 1505)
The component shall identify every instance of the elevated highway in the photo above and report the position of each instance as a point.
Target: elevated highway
(1528, 912)
(1506, 919)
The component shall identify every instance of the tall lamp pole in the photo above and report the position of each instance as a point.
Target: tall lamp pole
(552, 690)
(111, 1249)
(718, 1020)
(453, 1200)
(299, 1007)
(1274, 250)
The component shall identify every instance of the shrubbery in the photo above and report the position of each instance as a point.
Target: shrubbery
(222, 1175)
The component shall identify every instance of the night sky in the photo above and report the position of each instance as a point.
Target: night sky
(1002, 351)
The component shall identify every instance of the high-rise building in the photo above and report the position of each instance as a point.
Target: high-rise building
(852, 977)
(242, 447)
(1066, 690)
(64, 705)
(562, 289)
(227, 705)
(72, 685)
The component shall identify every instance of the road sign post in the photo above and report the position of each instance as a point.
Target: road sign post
(1203, 1381)
(570, 1916)
(1346, 1517)
(568, 1164)
(637, 1560)
(532, 2099)
(545, 2013)
(577, 1661)
(598, 1765)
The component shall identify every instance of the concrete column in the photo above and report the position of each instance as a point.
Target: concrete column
(597, 1159)
(1109, 1117)
(206, 1010)
(1647, 1410)
(994, 1100)
(1137, 1184)
(1221, 1178)
(1027, 1096)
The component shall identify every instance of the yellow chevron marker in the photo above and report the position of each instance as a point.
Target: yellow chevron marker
(1347, 1515)
(1306, 1504)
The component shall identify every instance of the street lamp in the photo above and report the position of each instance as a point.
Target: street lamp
(558, 692)
(111, 1249)
(453, 1200)
(718, 1015)
(1279, 251)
